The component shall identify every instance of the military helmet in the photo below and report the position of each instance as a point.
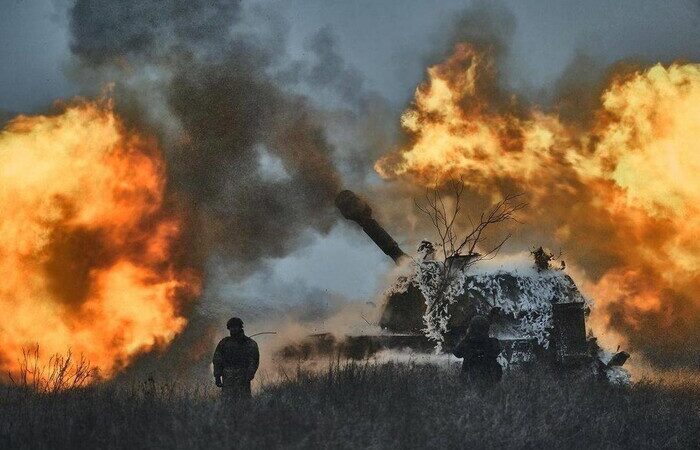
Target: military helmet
(234, 321)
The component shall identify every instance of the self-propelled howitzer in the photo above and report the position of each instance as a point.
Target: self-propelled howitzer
(536, 314)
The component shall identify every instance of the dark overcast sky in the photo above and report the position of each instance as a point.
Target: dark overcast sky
(388, 42)
(33, 51)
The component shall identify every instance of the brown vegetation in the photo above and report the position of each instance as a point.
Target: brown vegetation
(359, 406)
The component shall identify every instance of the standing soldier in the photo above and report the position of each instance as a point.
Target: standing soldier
(236, 360)
(479, 352)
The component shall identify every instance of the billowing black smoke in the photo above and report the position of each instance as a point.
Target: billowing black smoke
(247, 160)
(185, 68)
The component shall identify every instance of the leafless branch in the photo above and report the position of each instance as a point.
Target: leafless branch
(444, 221)
(469, 243)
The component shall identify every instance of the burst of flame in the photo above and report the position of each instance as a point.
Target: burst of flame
(85, 242)
(621, 194)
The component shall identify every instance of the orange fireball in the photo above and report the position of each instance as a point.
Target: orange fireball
(85, 241)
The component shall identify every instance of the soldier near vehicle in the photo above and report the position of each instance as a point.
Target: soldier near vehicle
(236, 360)
(480, 353)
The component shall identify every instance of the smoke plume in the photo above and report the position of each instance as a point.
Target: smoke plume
(222, 116)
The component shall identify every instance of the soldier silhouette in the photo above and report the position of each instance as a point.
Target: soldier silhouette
(479, 352)
(236, 360)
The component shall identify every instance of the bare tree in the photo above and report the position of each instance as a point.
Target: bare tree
(453, 242)
(442, 221)
(462, 247)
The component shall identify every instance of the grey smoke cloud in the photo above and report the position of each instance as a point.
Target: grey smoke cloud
(213, 81)
(200, 78)
(329, 70)
(103, 30)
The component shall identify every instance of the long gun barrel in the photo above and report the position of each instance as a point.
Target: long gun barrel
(354, 208)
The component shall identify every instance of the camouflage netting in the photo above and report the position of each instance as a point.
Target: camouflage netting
(523, 294)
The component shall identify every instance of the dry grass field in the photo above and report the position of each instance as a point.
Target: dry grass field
(359, 405)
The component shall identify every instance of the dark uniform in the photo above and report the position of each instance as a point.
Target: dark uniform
(236, 360)
(480, 353)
